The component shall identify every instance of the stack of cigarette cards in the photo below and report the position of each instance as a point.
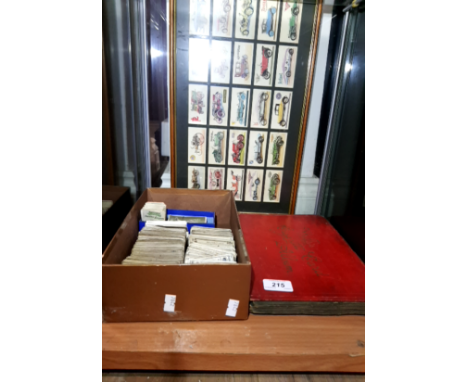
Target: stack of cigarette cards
(211, 246)
(158, 245)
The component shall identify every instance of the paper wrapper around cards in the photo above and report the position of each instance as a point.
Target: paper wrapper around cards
(153, 211)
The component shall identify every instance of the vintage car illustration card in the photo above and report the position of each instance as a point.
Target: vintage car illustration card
(196, 177)
(235, 182)
(223, 10)
(240, 100)
(197, 105)
(198, 59)
(217, 146)
(276, 149)
(264, 65)
(291, 21)
(242, 63)
(261, 101)
(221, 61)
(268, 20)
(286, 66)
(272, 189)
(246, 19)
(196, 145)
(237, 147)
(200, 11)
(282, 102)
(215, 178)
(253, 185)
(257, 148)
(219, 105)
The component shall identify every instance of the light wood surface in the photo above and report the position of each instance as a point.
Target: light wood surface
(228, 377)
(261, 343)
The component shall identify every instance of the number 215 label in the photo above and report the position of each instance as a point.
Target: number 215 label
(277, 285)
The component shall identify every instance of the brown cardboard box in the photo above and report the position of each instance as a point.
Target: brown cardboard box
(137, 293)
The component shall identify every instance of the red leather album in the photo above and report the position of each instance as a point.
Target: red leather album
(325, 275)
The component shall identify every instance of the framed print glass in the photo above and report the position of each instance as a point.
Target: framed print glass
(241, 74)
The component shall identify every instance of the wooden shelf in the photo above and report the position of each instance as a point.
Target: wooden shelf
(261, 343)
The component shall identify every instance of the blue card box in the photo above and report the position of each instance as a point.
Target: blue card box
(210, 218)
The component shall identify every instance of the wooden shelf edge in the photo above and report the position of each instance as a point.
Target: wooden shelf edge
(277, 344)
(122, 360)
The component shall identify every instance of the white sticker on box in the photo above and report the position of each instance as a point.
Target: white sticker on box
(169, 303)
(278, 285)
(232, 308)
